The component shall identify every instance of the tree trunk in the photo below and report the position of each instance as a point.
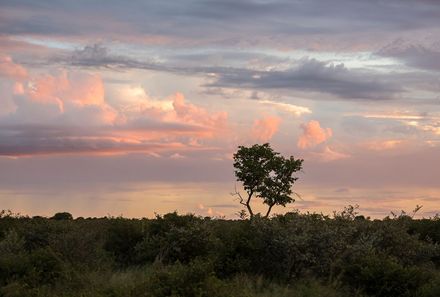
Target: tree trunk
(248, 205)
(268, 210)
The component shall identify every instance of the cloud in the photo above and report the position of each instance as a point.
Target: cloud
(380, 145)
(80, 90)
(32, 141)
(325, 153)
(311, 75)
(94, 54)
(74, 98)
(190, 113)
(149, 131)
(263, 129)
(152, 137)
(67, 113)
(286, 107)
(11, 70)
(328, 154)
(394, 115)
(231, 48)
(413, 55)
(97, 55)
(409, 122)
(313, 134)
(433, 127)
(249, 23)
(308, 75)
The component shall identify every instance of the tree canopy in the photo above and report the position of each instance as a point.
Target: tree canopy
(265, 174)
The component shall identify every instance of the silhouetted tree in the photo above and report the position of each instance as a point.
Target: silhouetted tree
(265, 174)
(62, 216)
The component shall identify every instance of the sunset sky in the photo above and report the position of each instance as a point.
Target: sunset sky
(136, 107)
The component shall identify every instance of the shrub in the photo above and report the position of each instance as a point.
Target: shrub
(174, 238)
(62, 216)
(382, 276)
(122, 237)
(45, 268)
(194, 279)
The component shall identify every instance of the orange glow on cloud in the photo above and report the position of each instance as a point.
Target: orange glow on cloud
(69, 92)
(83, 90)
(90, 125)
(174, 109)
(263, 129)
(313, 134)
(10, 69)
(18, 89)
(190, 113)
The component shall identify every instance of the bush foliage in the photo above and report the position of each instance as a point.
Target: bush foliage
(184, 255)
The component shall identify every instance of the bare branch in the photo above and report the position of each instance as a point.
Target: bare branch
(238, 194)
(298, 195)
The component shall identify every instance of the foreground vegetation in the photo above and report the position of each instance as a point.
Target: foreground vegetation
(184, 255)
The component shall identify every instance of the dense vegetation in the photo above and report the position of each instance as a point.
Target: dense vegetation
(184, 255)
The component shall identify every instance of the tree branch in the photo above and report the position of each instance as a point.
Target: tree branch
(268, 210)
(242, 201)
(248, 204)
(238, 194)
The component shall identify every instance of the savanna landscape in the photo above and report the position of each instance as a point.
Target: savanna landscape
(219, 148)
(185, 255)
(293, 254)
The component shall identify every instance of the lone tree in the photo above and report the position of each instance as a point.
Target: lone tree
(265, 174)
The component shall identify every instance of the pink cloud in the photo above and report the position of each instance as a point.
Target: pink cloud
(18, 89)
(263, 129)
(78, 97)
(11, 70)
(67, 113)
(68, 89)
(189, 120)
(72, 108)
(190, 113)
(313, 134)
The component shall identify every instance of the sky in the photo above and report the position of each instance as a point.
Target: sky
(135, 108)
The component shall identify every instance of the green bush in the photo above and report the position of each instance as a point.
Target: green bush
(193, 279)
(45, 268)
(183, 255)
(383, 276)
(174, 238)
(122, 237)
(430, 289)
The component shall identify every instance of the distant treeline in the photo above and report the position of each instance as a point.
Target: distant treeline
(184, 255)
